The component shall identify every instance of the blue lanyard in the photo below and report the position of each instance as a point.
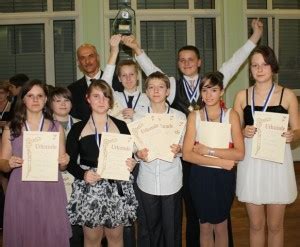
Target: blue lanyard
(70, 123)
(206, 115)
(126, 100)
(96, 131)
(192, 94)
(267, 100)
(41, 124)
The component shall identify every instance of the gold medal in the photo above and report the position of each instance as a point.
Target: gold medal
(191, 108)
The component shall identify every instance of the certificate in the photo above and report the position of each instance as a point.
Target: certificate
(144, 131)
(170, 131)
(40, 155)
(267, 143)
(115, 149)
(214, 134)
(157, 132)
(116, 111)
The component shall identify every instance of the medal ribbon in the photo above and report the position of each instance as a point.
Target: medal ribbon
(192, 94)
(70, 123)
(222, 115)
(126, 100)
(96, 131)
(267, 100)
(41, 124)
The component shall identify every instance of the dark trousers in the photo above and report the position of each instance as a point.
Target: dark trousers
(192, 221)
(163, 215)
(129, 236)
(143, 235)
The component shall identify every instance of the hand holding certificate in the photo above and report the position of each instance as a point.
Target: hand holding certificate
(268, 143)
(40, 155)
(115, 149)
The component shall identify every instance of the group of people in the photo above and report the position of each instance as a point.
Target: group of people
(83, 208)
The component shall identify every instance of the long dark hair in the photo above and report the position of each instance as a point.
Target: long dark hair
(215, 79)
(20, 115)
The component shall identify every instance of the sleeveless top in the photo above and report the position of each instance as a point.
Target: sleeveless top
(248, 119)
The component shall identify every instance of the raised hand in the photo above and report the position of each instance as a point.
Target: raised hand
(258, 28)
(132, 43)
(114, 42)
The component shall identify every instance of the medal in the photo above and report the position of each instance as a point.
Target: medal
(191, 108)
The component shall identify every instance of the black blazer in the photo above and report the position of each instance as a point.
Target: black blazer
(80, 107)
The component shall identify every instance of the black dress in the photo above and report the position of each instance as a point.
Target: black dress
(212, 189)
(107, 203)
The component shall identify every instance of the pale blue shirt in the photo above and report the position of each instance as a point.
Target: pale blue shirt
(160, 177)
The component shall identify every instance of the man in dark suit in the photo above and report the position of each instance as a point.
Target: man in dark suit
(89, 64)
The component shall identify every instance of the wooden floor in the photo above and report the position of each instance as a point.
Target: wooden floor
(240, 221)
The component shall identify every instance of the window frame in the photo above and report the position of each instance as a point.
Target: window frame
(46, 18)
(273, 16)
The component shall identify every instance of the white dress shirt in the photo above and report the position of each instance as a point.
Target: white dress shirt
(96, 77)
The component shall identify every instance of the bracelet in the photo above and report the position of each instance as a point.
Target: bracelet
(211, 152)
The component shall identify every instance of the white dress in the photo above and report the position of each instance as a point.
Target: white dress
(265, 182)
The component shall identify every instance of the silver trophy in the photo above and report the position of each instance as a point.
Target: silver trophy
(124, 23)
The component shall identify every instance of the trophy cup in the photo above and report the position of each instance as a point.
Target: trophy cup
(124, 23)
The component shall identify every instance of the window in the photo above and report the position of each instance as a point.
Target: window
(284, 36)
(22, 50)
(42, 44)
(163, 27)
(157, 39)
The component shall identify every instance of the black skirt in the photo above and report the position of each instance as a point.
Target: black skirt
(212, 192)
